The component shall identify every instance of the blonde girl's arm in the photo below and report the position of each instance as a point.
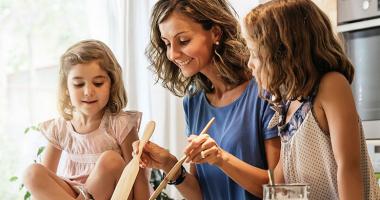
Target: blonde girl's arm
(141, 186)
(338, 105)
(51, 157)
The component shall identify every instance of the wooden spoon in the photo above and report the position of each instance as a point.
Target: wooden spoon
(176, 167)
(128, 177)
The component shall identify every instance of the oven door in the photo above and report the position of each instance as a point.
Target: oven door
(374, 153)
(363, 48)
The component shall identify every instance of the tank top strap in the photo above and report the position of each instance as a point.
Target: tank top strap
(287, 130)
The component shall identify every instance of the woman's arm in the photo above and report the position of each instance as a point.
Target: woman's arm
(247, 176)
(154, 156)
(51, 157)
(190, 188)
(341, 117)
(141, 186)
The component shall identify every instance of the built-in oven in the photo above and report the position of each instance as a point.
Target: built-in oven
(357, 10)
(359, 23)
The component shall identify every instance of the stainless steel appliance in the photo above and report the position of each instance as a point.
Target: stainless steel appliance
(359, 22)
(363, 48)
(374, 152)
(356, 10)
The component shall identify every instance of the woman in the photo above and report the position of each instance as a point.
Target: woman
(196, 50)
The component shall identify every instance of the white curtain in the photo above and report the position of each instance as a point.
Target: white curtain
(143, 94)
(130, 39)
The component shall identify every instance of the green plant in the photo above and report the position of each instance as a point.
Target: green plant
(155, 179)
(27, 195)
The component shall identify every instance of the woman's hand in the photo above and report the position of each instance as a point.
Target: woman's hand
(154, 156)
(203, 149)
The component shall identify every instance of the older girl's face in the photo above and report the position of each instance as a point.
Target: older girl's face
(188, 45)
(254, 62)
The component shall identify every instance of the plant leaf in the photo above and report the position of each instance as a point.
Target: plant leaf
(35, 128)
(20, 187)
(26, 130)
(27, 195)
(13, 179)
(40, 150)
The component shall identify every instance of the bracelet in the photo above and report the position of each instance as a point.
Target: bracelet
(180, 179)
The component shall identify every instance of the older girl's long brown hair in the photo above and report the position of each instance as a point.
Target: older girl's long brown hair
(296, 46)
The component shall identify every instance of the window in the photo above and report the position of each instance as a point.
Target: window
(33, 35)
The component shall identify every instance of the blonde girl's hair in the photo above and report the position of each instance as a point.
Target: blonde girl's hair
(230, 56)
(87, 51)
(296, 46)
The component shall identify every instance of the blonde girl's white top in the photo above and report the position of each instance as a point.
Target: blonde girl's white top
(307, 157)
(83, 150)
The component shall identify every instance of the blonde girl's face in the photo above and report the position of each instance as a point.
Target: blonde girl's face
(89, 88)
(188, 45)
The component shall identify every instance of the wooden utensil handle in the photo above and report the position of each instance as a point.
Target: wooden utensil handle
(176, 167)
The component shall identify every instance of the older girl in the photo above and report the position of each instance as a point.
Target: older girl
(298, 60)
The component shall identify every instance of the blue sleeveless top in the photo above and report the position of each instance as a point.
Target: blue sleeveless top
(240, 128)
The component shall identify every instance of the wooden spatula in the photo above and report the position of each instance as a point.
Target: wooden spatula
(176, 167)
(128, 177)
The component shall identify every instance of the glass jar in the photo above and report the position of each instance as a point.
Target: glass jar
(286, 192)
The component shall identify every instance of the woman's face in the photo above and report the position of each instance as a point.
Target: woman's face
(188, 45)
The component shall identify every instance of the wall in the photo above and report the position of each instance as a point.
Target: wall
(330, 8)
(242, 7)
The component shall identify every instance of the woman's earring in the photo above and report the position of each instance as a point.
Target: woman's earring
(216, 49)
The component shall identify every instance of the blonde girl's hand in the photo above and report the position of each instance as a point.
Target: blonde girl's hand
(204, 149)
(154, 156)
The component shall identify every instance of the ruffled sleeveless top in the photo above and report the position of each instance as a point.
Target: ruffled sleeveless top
(83, 150)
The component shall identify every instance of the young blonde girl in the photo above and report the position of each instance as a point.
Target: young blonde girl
(93, 130)
(296, 58)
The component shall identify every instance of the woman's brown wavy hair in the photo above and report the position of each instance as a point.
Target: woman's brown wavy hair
(232, 62)
(296, 46)
(87, 51)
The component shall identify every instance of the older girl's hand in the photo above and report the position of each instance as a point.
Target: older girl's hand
(204, 149)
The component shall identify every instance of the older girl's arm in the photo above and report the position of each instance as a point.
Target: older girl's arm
(339, 108)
